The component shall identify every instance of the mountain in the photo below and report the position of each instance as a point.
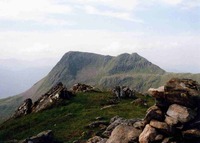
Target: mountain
(101, 71)
(95, 69)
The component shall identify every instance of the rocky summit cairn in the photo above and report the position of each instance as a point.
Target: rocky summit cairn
(55, 95)
(175, 118)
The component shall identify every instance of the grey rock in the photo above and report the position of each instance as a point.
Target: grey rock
(43, 137)
(124, 134)
(115, 121)
(24, 109)
(148, 134)
(97, 139)
(154, 112)
(97, 124)
(139, 102)
(171, 121)
(81, 88)
(159, 125)
(123, 92)
(181, 113)
(191, 133)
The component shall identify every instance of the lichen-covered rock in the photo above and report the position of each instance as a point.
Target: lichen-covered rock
(124, 134)
(177, 91)
(159, 125)
(24, 109)
(191, 133)
(171, 121)
(148, 134)
(97, 139)
(81, 88)
(55, 94)
(115, 121)
(154, 112)
(181, 113)
(53, 97)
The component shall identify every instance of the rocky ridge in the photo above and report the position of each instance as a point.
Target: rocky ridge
(54, 96)
(175, 118)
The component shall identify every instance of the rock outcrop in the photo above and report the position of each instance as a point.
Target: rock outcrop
(43, 137)
(81, 88)
(175, 117)
(24, 109)
(124, 133)
(54, 96)
(123, 92)
(97, 139)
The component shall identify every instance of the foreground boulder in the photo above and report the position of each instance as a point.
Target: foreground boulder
(148, 134)
(115, 121)
(53, 97)
(181, 113)
(124, 134)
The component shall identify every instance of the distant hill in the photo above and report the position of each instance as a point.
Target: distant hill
(100, 71)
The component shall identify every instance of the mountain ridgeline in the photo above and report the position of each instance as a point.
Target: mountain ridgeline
(98, 70)
(103, 72)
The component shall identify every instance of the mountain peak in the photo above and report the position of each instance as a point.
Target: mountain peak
(93, 68)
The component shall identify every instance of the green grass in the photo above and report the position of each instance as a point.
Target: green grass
(69, 121)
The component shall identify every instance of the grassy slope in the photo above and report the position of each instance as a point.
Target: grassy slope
(135, 81)
(68, 122)
(8, 105)
(101, 71)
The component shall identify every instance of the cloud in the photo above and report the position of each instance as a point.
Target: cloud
(119, 15)
(172, 2)
(183, 4)
(126, 5)
(32, 10)
(191, 4)
(167, 51)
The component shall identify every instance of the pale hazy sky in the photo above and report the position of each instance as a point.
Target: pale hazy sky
(167, 32)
